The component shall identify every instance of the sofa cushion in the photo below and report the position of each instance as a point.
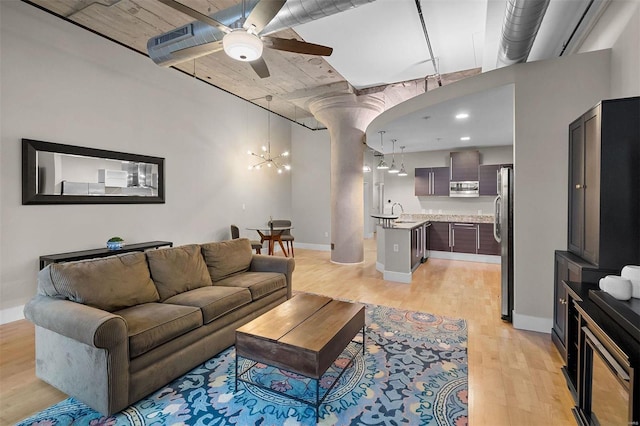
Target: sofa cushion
(108, 283)
(214, 301)
(259, 284)
(151, 324)
(176, 270)
(226, 258)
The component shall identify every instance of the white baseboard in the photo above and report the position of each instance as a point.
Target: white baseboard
(467, 257)
(319, 247)
(379, 267)
(11, 314)
(526, 322)
(401, 277)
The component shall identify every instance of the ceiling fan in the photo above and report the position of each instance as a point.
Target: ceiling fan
(242, 40)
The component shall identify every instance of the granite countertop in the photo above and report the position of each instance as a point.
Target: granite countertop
(449, 217)
(411, 220)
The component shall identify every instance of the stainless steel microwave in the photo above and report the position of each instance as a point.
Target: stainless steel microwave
(464, 189)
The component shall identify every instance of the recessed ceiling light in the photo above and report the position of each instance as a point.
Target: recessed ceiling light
(465, 138)
(462, 115)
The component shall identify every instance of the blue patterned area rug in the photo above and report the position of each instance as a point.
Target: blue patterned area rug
(414, 372)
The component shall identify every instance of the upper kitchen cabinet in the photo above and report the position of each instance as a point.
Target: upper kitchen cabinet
(464, 166)
(488, 178)
(433, 181)
(604, 182)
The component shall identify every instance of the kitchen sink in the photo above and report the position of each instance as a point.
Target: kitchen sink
(405, 221)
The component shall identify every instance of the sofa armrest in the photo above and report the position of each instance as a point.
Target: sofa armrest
(92, 326)
(283, 265)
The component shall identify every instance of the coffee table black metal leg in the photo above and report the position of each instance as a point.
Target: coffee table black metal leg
(317, 399)
(363, 345)
(236, 372)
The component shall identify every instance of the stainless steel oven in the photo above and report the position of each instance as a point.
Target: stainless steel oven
(464, 189)
(606, 382)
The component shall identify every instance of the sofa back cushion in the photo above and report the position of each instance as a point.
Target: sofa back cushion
(109, 283)
(176, 270)
(226, 258)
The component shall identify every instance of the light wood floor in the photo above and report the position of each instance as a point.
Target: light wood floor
(514, 376)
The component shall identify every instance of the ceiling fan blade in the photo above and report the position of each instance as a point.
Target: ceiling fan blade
(260, 67)
(262, 14)
(196, 15)
(296, 46)
(197, 51)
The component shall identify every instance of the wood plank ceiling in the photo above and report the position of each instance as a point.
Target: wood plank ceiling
(294, 77)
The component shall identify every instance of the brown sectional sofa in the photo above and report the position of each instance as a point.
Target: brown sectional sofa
(110, 331)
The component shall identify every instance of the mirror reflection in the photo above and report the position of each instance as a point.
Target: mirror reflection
(66, 174)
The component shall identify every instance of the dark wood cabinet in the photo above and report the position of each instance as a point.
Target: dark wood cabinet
(464, 238)
(464, 166)
(488, 244)
(569, 267)
(439, 236)
(432, 181)
(488, 178)
(604, 182)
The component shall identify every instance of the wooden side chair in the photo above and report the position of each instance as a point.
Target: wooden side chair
(235, 234)
(284, 235)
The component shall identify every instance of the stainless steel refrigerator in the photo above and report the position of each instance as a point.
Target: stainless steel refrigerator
(503, 233)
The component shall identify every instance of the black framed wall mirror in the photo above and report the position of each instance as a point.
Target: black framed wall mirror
(54, 173)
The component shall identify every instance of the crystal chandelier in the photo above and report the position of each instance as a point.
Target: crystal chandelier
(265, 156)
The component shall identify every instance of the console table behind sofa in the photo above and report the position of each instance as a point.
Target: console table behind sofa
(101, 252)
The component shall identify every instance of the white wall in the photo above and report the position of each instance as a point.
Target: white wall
(311, 187)
(62, 84)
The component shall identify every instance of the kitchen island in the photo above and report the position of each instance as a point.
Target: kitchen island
(406, 242)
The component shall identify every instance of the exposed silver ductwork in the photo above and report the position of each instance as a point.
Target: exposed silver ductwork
(297, 12)
(294, 12)
(521, 24)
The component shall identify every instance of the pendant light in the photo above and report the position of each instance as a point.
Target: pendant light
(402, 171)
(382, 165)
(267, 159)
(393, 168)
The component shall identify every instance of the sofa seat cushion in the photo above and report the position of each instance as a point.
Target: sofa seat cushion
(214, 301)
(151, 324)
(178, 269)
(227, 258)
(108, 283)
(259, 284)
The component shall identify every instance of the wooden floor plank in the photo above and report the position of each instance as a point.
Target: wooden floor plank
(514, 376)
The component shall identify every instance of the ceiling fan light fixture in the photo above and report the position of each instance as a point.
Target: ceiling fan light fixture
(242, 45)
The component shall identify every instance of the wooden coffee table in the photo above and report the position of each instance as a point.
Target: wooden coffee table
(304, 335)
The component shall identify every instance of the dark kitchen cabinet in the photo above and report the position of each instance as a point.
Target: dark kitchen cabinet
(604, 177)
(488, 244)
(464, 238)
(488, 178)
(432, 181)
(569, 267)
(439, 236)
(464, 166)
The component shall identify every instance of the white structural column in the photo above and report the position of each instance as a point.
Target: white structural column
(347, 117)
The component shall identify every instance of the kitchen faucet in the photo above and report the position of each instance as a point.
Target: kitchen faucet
(397, 204)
